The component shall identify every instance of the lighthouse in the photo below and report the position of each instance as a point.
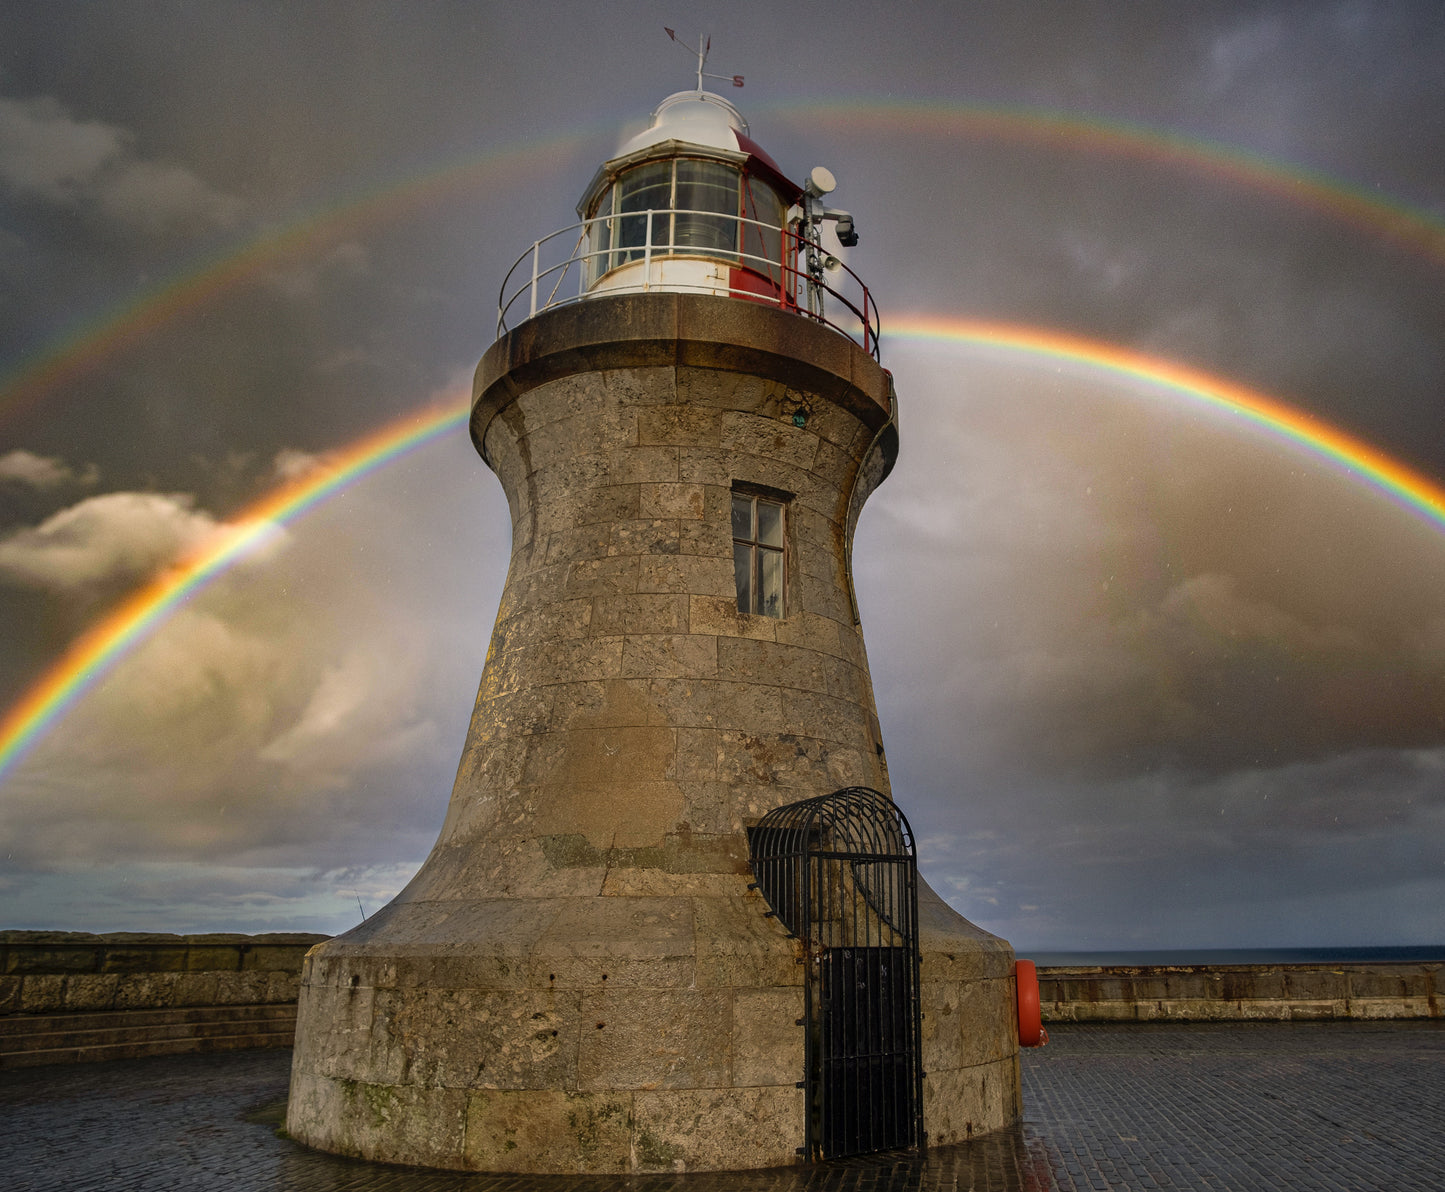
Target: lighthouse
(673, 919)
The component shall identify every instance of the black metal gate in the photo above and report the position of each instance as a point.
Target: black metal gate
(839, 871)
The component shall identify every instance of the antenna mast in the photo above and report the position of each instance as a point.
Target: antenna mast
(704, 44)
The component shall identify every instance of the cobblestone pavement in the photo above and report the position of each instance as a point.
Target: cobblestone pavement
(1259, 1107)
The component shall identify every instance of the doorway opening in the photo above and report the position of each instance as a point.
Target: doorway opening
(840, 873)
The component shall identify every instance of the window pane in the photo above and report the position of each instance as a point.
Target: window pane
(707, 186)
(631, 233)
(599, 239)
(770, 523)
(646, 188)
(743, 574)
(763, 246)
(743, 518)
(770, 582)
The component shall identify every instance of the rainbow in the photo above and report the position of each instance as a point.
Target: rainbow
(93, 340)
(88, 343)
(1371, 210)
(1401, 484)
(100, 647)
(106, 642)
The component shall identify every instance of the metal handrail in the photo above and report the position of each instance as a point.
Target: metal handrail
(803, 292)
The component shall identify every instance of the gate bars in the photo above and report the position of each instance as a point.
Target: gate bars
(840, 873)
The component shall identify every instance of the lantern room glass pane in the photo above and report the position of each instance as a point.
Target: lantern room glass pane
(599, 239)
(763, 212)
(706, 186)
(647, 188)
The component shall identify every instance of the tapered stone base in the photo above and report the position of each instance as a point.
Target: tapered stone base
(608, 1034)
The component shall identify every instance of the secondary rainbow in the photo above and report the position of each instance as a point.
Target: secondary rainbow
(100, 647)
(1372, 210)
(96, 651)
(89, 342)
(92, 340)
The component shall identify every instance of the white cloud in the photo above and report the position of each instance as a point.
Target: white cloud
(103, 540)
(231, 736)
(352, 720)
(92, 167)
(43, 472)
(291, 463)
(305, 710)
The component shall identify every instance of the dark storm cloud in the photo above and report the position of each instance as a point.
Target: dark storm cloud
(90, 168)
(1142, 678)
(1134, 641)
(1155, 588)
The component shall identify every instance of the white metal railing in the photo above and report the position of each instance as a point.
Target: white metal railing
(803, 277)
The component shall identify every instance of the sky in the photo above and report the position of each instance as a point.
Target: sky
(1151, 675)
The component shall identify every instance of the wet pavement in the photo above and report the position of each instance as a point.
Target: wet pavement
(1260, 1106)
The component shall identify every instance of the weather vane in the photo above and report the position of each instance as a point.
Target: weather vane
(704, 44)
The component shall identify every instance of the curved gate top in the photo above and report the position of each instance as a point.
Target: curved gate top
(840, 873)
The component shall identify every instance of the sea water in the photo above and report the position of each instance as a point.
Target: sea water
(1416, 954)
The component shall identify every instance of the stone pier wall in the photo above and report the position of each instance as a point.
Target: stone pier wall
(72, 996)
(1241, 992)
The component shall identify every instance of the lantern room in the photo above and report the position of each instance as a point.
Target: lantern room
(692, 202)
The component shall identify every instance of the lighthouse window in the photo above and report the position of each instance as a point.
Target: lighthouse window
(758, 552)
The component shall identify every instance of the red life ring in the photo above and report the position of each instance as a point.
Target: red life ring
(1031, 1022)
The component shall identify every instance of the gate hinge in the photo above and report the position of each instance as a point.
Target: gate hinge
(798, 1022)
(800, 1085)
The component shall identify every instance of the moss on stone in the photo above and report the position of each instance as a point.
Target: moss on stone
(655, 1153)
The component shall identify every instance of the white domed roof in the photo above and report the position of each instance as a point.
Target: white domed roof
(698, 117)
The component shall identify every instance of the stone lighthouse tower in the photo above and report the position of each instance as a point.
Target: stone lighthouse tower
(672, 921)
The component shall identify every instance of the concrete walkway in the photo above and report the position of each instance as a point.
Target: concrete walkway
(1260, 1108)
